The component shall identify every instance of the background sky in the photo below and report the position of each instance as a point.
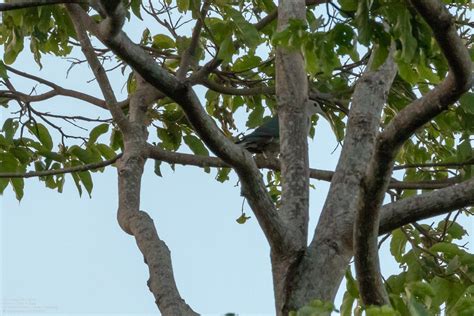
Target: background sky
(65, 254)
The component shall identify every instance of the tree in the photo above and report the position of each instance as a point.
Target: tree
(409, 110)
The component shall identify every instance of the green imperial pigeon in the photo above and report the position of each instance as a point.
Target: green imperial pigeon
(266, 138)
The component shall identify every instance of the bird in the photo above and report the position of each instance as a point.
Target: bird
(266, 138)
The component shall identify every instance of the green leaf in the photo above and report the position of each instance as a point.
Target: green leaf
(416, 308)
(157, 168)
(9, 128)
(381, 311)
(18, 185)
(86, 180)
(97, 131)
(454, 229)
(13, 48)
(226, 50)
(8, 162)
(163, 41)
(21, 154)
(380, 55)
(106, 151)
(183, 5)
(450, 250)
(362, 22)
(242, 219)
(135, 6)
(348, 5)
(77, 182)
(256, 117)
(397, 244)
(196, 145)
(51, 155)
(467, 102)
(346, 306)
(42, 134)
(246, 31)
(403, 31)
(223, 174)
(116, 139)
(246, 62)
(441, 288)
(87, 156)
(170, 137)
(3, 71)
(396, 283)
(3, 184)
(351, 284)
(464, 151)
(407, 72)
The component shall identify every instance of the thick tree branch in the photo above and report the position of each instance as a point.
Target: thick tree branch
(158, 258)
(292, 98)
(136, 222)
(99, 72)
(253, 186)
(341, 203)
(390, 140)
(426, 205)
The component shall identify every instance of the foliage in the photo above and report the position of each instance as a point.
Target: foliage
(336, 40)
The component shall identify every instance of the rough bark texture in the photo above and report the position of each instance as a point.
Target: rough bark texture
(332, 242)
(390, 140)
(301, 273)
(292, 98)
(130, 169)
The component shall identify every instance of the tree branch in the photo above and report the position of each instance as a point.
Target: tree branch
(57, 90)
(188, 56)
(158, 258)
(98, 70)
(253, 186)
(426, 205)
(395, 134)
(86, 167)
(32, 3)
(436, 165)
(342, 200)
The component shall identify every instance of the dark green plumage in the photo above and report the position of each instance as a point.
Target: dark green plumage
(266, 138)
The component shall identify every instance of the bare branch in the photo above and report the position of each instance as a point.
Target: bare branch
(86, 167)
(454, 165)
(188, 56)
(57, 90)
(98, 70)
